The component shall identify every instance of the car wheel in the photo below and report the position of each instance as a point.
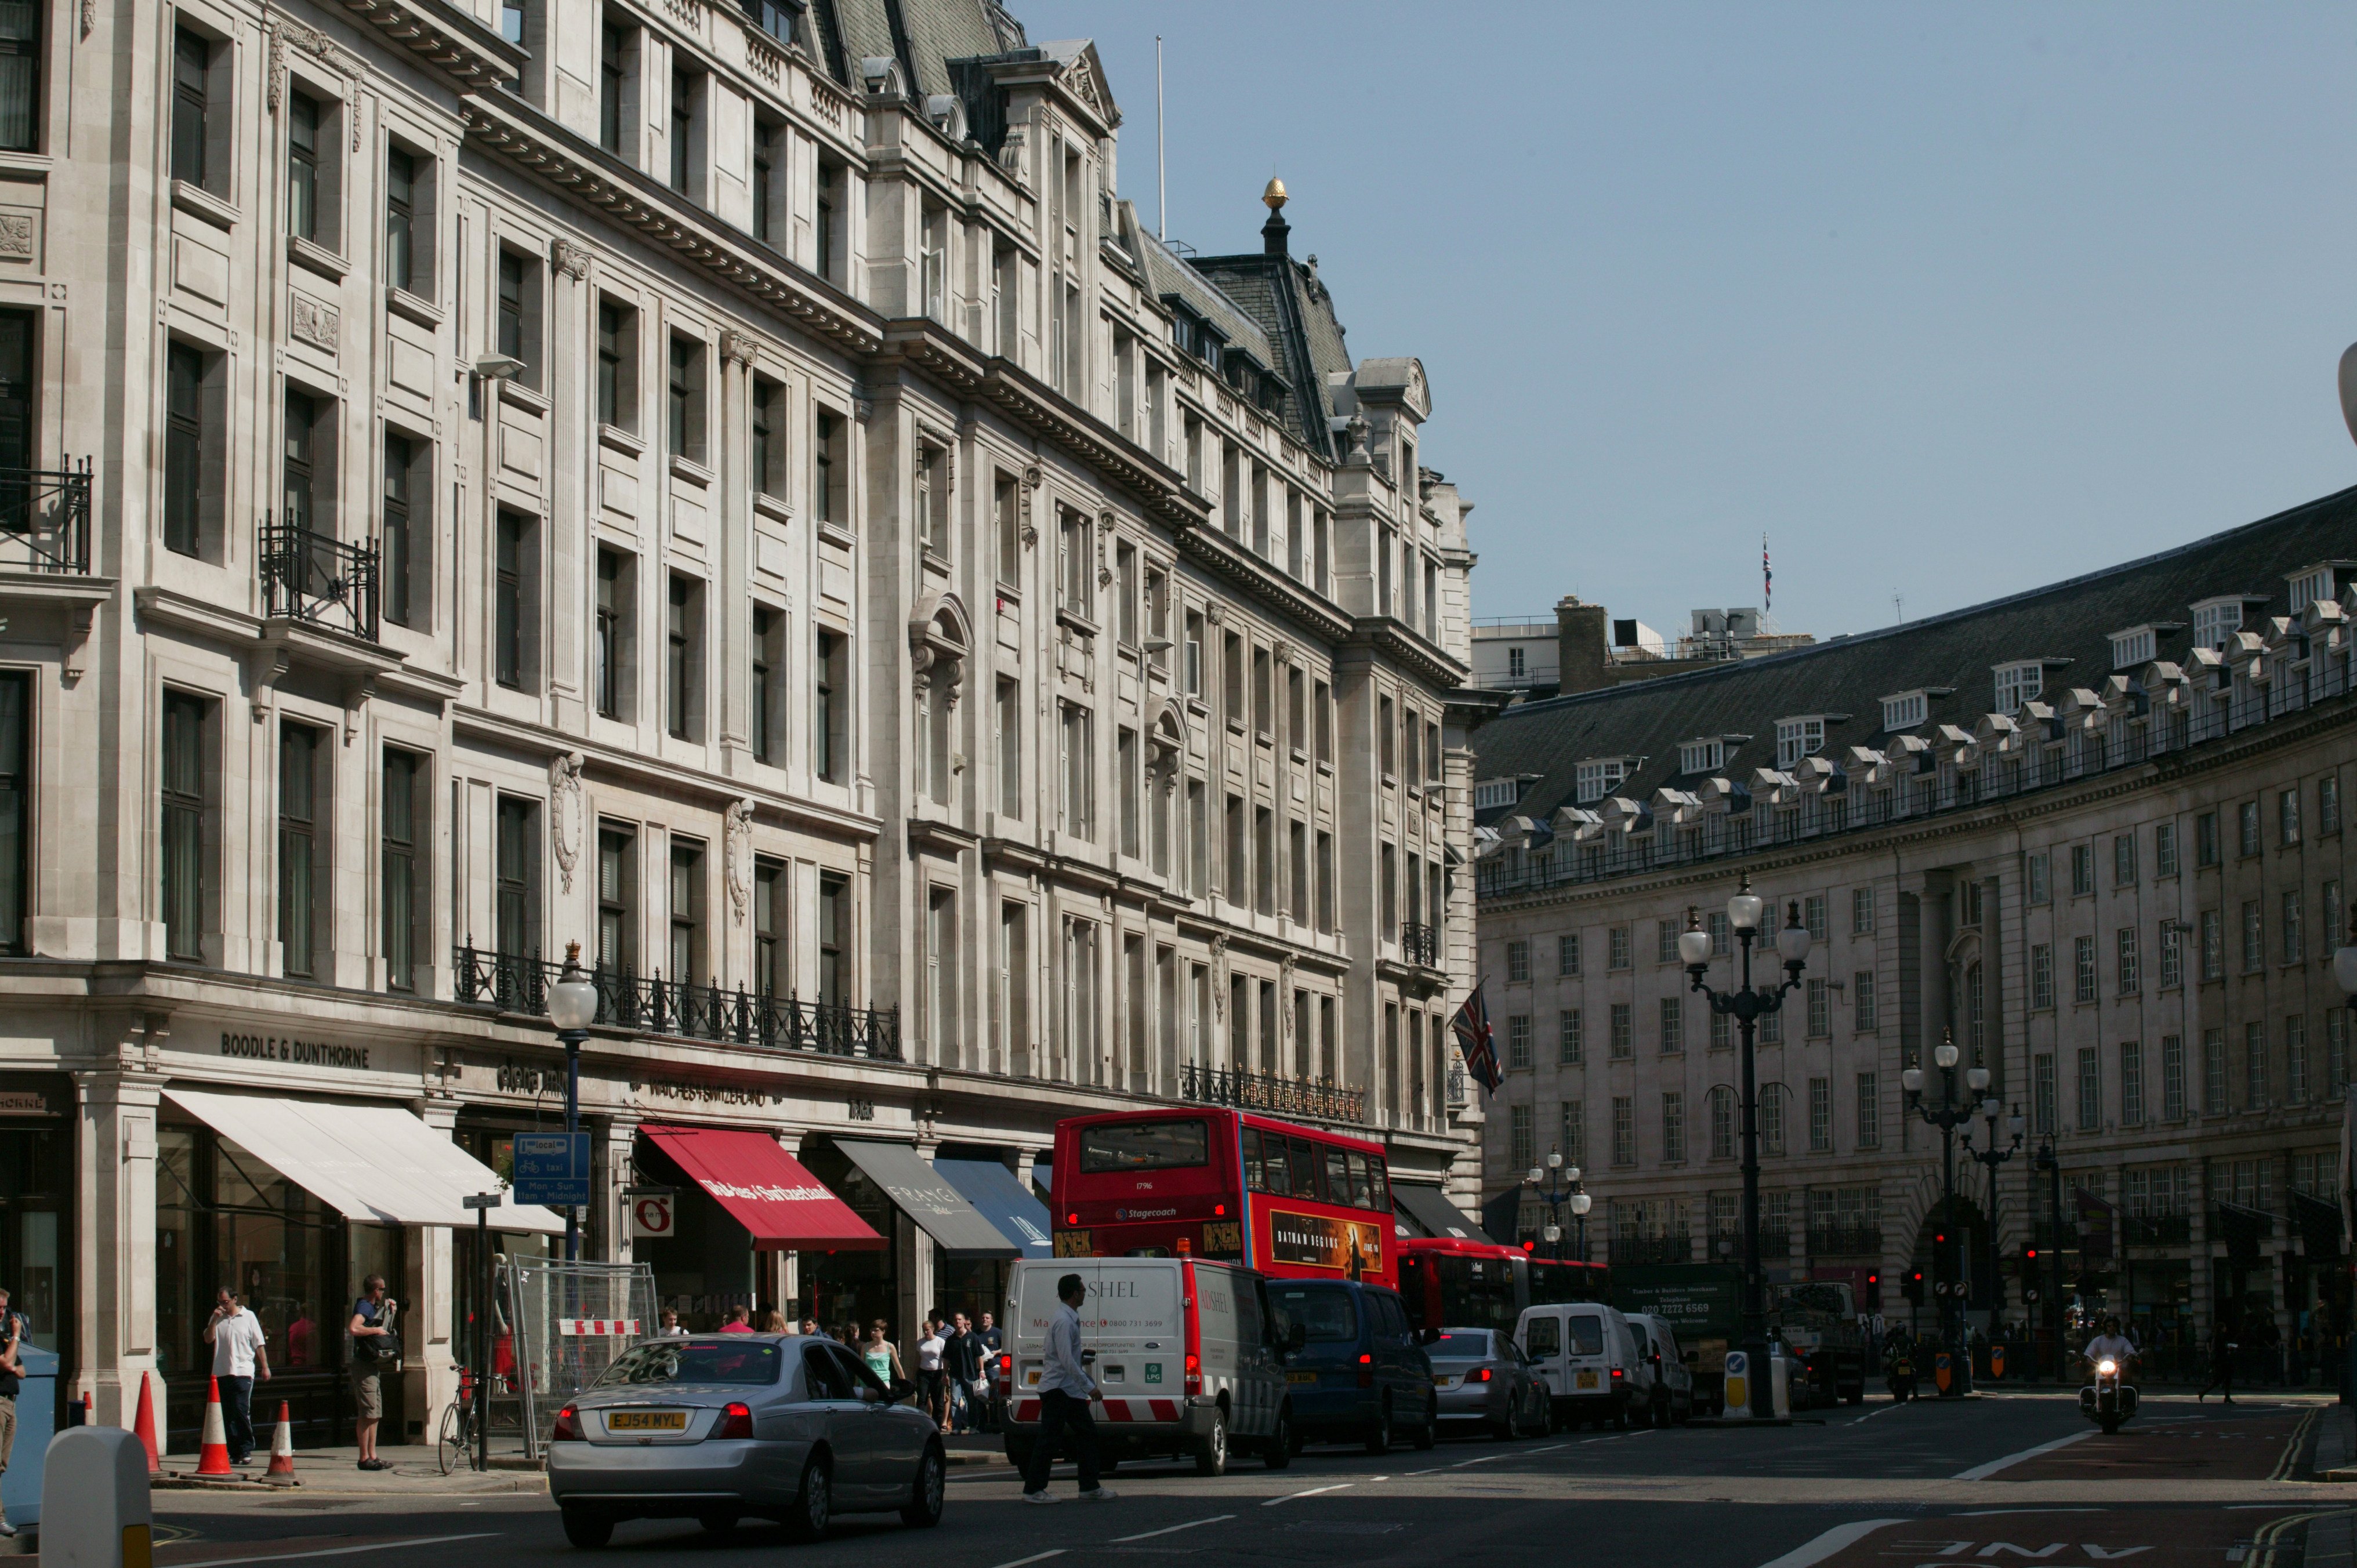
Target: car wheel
(813, 1506)
(587, 1530)
(1429, 1432)
(924, 1509)
(1278, 1452)
(1211, 1457)
(1379, 1435)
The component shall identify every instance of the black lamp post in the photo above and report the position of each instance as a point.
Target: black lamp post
(1748, 1004)
(572, 1008)
(1561, 1190)
(2344, 974)
(1948, 1114)
(2050, 1166)
(1994, 1156)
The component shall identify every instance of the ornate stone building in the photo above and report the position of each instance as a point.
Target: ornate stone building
(2093, 832)
(735, 489)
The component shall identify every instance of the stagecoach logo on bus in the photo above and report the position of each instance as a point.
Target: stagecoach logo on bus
(1353, 1247)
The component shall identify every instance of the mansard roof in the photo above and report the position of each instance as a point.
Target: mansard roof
(1850, 674)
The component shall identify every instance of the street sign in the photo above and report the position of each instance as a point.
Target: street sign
(651, 1216)
(552, 1168)
(479, 1201)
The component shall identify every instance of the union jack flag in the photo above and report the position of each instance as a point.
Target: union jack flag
(1471, 1025)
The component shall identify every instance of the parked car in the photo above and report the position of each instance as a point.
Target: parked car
(1482, 1377)
(722, 1427)
(1669, 1378)
(1359, 1372)
(1228, 1396)
(1586, 1354)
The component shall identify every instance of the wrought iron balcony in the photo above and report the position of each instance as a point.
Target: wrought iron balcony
(2157, 1230)
(44, 519)
(1677, 1248)
(1845, 1241)
(317, 578)
(1267, 1092)
(1420, 945)
(514, 983)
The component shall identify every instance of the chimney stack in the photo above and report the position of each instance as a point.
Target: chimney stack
(1583, 659)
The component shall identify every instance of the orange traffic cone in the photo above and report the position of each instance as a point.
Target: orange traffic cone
(282, 1447)
(212, 1453)
(143, 1425)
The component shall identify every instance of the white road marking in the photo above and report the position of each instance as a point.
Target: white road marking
(1485, 1459)
(1172, 1528)
(1983, 1472)
(1550, 1447)
(352, 1551)
(1825, 1545)
(1886, 1410)
(1337, 1487)
(1035, 1557)
(1432, 1472)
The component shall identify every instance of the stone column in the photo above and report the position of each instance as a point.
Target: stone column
(732, 561)
(429, 1359)
(785, 1271)
(115, 1239)
(572, 454)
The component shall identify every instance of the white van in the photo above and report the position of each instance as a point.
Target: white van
(1184, 1351)
(1667, 1380)
(1586, 1352)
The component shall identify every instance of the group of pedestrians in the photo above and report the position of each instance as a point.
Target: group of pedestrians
(241, 1357)
(951, 1375)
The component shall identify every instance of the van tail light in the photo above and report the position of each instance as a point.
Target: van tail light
(568, 1426)
(1616, 1374)
(1193, 1342)
(736, 1421)
(1483, 1376)
(1005, 1373)
(1366, 1360)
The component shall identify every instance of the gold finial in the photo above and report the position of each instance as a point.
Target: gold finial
(1275, 195)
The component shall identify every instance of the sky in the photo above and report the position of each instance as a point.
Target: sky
(1946, 301)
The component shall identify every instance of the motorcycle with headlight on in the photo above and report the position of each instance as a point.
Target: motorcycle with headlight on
(2110, 1400)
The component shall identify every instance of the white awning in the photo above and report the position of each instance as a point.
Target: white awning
(371, 1163)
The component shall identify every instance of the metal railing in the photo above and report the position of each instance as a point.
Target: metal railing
(514, 984)
(1266, 1091)
(318, 578)
(1845, 1241)
(2210, 711)
(45, 519)
(1673, 1249)
(1420, 945)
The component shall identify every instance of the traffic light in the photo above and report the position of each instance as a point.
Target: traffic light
(1942, 1265)
(1912, 1287)
(1874, 1291)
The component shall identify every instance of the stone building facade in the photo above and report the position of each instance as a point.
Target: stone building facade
(2095, 832)
(734, 489)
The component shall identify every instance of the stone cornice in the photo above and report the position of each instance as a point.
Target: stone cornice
(453, 46)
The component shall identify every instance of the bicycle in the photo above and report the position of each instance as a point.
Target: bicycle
(456, 1447)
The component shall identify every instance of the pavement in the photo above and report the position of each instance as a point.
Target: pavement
(1972, 1484)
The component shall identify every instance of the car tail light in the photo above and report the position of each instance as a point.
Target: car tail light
(1366, 1360)
(736, 1421)
(1483, 1376)
(568, 1426)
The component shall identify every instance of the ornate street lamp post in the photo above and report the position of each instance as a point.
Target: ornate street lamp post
(1748, 1004)
(1948, 1114)
(572, 1008)
(1994, 1156)
(2344, 974)
(1562, 1191)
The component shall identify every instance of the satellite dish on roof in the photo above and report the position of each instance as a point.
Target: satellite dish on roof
(2349, 389)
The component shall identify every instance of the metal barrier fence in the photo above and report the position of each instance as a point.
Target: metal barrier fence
(571, 1321)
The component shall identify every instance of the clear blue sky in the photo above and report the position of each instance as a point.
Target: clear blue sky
(1949, 301)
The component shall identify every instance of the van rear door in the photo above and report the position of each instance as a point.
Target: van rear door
(1131, 1320)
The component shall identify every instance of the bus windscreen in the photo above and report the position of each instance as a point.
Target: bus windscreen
(1119, 1146)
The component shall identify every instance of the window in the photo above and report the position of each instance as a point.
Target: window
(1813, 916)
(831, 707)
(767, 693)
(1693, 755)
(1619, 1045)
(768, 449)
(2336, 1053)
(617, 889)
(1722, 934)
(1125, 765)
(2083, 951)
(2254, 1066)
(1570, 1048)
(511, 28)
(2287, 817)
(2131, 1084)
(2130, 972)
(1674, 1127)
(2328, 804)
(1518, 1040)
(515, 864)
(2123, 860)
(614, 60)
(2254, 943)
(1518, 962)
(618, 359)
(1617, 948)
(2246, 817)
(2018, 683)
(2083, 870)
(20, 79)
(686, 427)
(2132, 648)
(1674, 1025)
(2213, 1072)
(192, 131)
(1797, 738)
(1598, 777)
(1010, 749)
(686, 920)
(303, 116)
(1263, 696)
(1722, 1122)
(185, 829)
(1321, 700)
(1863, 999)
(2091, 1090)
(1771, 1028)
(2043, 1094)
(834, 935)
(1869, 1112)
(2295, 1060)
(686, 151)
(2213, 946)
(1861, 911)
(1386, 738)
(2335, 916)
(309, 470)
(517, 322)
(772, 970)
(2173, 955)
(2294, 942)
(408, 481)
(829, 474)
(2172, 1078)
(1326, 882)
(515, 596)
(2205, 839)
(612, 645)
(1077, 733)
(769, 191)
(2041, 890)
(1624, 1130)
(185, 455)
(1821, 1116)
(2164, 849)
(826, 226)
(1665, 942)
(399, 915)
(1076, 577)
(1566, 955)
(1519, 1148)
(1772, 1117)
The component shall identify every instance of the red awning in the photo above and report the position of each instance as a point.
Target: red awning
(785, 1207)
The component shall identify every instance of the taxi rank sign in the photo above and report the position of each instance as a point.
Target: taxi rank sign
(552, 1169)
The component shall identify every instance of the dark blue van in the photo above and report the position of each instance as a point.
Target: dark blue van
(1359, 1372)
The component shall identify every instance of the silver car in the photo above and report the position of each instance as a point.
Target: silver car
(1481, 1375)
(721, 1427)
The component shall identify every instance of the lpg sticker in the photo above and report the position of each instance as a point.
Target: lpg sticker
(1154, 1371)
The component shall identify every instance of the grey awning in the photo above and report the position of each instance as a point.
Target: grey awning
(1428, 1208)
(921, 1193)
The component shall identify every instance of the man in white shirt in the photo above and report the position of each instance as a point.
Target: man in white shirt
(1065, 1391)
(2111, 1345)
(241, 1352)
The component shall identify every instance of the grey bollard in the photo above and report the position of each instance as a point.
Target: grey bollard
(94, 1510)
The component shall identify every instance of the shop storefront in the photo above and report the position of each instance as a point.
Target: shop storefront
(37, 1205)
(977, 1285)
(970, 1254)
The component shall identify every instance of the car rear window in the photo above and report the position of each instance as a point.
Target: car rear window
(1145, 1145)
(694, 1362)
(1326, 1314)
(1474, 1343)
(1587, 1335)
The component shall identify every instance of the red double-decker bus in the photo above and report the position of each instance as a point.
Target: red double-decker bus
(1292, 1201)
(1558, 1280)
(1450, 1282)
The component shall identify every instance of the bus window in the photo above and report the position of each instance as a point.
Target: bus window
(1362, 1192)
(1326, 1313)
(1118, 1146)
(1382, 1181)
(1274, 1167)
(1544, 1337)
(1253, 1178)
(1305, 1170)
(1587, 1335)
(1338, 1177)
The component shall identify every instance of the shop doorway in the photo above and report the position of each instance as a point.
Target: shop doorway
(37, 1211)
(844, 1289)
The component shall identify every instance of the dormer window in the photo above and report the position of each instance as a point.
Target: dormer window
(2133, 647)
(1702, 755)
(1598, 777)
(1492, 792)
(1799, 738)
(2018, 683)
(2307, 587)
(1905, 710)
(2215, 620)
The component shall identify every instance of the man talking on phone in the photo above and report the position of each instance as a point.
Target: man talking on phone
(240, 1354)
